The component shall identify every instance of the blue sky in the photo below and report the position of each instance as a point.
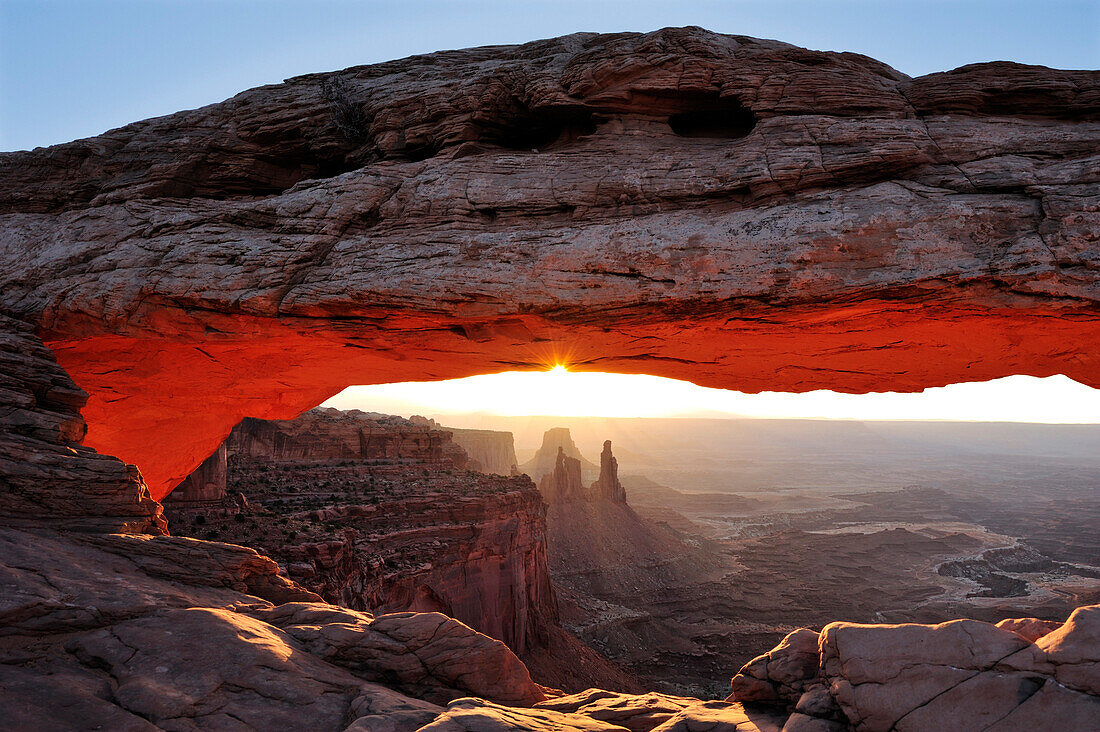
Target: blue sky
(76, 68)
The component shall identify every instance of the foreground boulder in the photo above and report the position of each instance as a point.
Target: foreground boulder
(130, 632)
(958, 675)
(783, 673)
(426, 655)
(208, 668)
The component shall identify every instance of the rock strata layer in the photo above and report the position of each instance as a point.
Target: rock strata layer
(48, 477)
(334, 434)
(492, 451)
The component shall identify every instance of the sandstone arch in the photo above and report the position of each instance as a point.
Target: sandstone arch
(861, 231)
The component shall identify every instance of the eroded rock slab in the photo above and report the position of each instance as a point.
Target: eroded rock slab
(958, 675)
(428, 655)
(740, 213)
(126, 632)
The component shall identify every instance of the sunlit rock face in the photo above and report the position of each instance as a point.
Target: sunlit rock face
(741, 213)
(1015, 675)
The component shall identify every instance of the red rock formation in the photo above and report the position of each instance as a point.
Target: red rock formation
(480, 559)
(564, 483)
(206, 483)
(966, 673)
(389, 536)
(493, 451)
(740, 213)
(47, 476)
(165, 624)
(607, 487)
(334, 434)
(545, 460)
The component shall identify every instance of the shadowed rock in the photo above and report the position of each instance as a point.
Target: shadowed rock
(564, 483)
(607, 487)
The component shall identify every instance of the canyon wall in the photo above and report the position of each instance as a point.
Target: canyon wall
(493, 451)
(333, 434)
(737, 212)
(392, 542)
(206, 483)
(481, 560)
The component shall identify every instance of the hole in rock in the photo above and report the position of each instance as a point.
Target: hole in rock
(719, 117)
(523, 128)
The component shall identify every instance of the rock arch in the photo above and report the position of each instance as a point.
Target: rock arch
(861, 231)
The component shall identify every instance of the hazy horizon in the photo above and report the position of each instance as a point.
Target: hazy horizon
(565, 394)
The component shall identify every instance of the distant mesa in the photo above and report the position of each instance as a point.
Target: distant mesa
(546, 459)
(493, 451)
(334, 434)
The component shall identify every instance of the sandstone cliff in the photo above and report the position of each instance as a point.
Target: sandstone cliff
(206, 482)
(334, 434)
(48, 477)
(493, 451)
(324, 434)
(387, 534)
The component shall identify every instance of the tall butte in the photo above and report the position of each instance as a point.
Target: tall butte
(607, 487)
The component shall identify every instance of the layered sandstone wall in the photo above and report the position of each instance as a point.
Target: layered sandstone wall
(387, 536)
(492, 451)
(481, 560)
(48, 477)
(206, 483)
(334, 434)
